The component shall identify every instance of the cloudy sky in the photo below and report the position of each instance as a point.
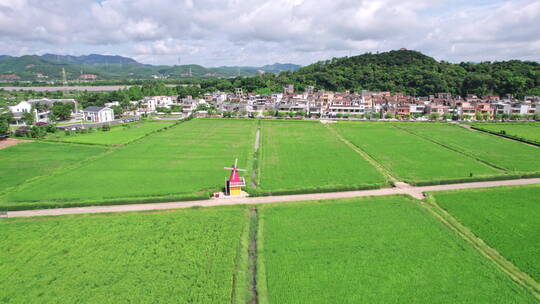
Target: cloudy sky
(257, 32)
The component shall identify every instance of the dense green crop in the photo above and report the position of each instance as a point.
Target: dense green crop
(171, 257)
(27, 160)
(501, 152)
(306, 155)
(409, 157)
(373, 250)
(185, 161)
(506, 218)
(117, 135)
(528, 131)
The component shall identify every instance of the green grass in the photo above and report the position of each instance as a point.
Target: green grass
(185, 256)
(373, 250)
(409, 157)
(505, 218)
(307, 156)
(119, 134)
(25, 161)
(185, 161)
(500, 152)
(528, 131)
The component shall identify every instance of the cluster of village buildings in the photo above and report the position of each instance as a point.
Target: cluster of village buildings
(310, 103)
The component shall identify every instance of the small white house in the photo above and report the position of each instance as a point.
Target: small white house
(23, 106)
(98, 114)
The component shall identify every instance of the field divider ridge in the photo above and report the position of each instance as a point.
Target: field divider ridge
(386, 172)
(240, 280)
(504, 136)
(256, 157)
(252, 256)
(520, 277)
(453, 149)
(260, 274)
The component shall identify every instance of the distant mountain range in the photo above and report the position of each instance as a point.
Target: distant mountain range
(49, 67)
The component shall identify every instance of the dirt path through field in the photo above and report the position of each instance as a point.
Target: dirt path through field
(402, 188)
(8, 142)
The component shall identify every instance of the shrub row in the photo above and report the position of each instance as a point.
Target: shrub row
(514, 137)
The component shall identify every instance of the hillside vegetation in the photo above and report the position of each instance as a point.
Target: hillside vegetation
(409, 72)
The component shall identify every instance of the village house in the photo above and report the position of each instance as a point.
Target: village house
(98, 114)
(41, 109)
(345, 107)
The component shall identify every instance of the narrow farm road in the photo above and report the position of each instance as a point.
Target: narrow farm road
(401, 188)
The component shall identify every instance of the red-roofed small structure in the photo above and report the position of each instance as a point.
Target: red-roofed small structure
(233, 186)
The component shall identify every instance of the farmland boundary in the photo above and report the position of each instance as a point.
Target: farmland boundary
(384, 171)
(240, 292)
(256, 157)
(484, 249)
(252, 256)
(453, 149)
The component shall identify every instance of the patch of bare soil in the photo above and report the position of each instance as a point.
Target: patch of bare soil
(8, 142)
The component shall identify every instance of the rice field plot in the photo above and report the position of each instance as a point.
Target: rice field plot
(526, 131)
(503, 153)
(505, 218)
(27, 160)
(117, 135)
(411, 158)
(186, 256)
(183, 162)
(300, 155)
(372, 250)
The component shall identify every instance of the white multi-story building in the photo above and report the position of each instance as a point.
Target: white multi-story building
(98, 114)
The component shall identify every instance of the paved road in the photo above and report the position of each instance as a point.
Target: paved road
(97, 88)
(401, 188)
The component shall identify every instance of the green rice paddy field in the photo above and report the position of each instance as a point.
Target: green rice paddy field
(528, 131)
(509, 155)
(506, 218)
(372, 250)
(183, 162)
(119, 134)
(412, 158)
(28, 160)
(188, 256)
(300, 155)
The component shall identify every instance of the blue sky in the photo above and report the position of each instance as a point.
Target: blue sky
(257, 32)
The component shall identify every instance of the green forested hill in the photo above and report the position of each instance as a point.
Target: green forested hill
(403, 71)
(417, 74)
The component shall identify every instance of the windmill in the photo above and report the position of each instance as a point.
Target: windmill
(235, 182)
